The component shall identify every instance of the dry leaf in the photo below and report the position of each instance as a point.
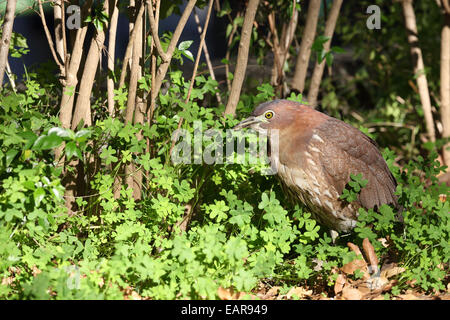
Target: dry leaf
(354, 248)
(354, 265)
(390, 272)
(35, 271)
(300, 292)
(371, 256)
(408, 296)
(229, 294)
(349, 293)
(364, 290)
(7, 281)
(271, 293)
(101, 282)
(224, 294)
(340, 282)
(376, 283)
(135, 296)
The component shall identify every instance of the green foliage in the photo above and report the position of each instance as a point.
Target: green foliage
(243, 230)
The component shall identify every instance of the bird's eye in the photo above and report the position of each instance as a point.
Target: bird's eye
(269, 115)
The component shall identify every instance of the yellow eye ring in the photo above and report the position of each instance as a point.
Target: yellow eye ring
(269, 115)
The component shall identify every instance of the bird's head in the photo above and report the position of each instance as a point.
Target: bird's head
(281, 115)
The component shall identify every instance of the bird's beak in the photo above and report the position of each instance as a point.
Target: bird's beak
(246, 123)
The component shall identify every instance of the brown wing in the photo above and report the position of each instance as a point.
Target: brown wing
(345, 150)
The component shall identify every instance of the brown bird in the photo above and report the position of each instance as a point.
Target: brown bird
(316, 155)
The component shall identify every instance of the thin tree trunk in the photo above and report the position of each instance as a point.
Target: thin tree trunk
(419, 67)
(6, 37)
(137, 174)
(59, 29)
(56, 57)
(134, 105)
(241, 64)
(135, 65)
(280, 47)
(71, 80)
(129, 49)
(319, 67)
(445, 80)
(167, 56)
(114, 12)
(83, 105)
(301, 66)
(66, 107)
(154, 60)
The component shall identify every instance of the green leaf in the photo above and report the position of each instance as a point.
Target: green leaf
(47, 142)
(184, 45)
(329, 58)
(10, 155)
(29, 137)
(72, 149)
(337, 50)
(60, 132)
(82, 135)
(188, 55)
(38, 195)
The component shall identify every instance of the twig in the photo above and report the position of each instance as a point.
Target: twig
(111, 56)
(446, 5)
(6, 37)
(319, 67)
(227, 55)
(162, 70)
(301, 65)
(419, 67)
(130, 45)
(208, 59)
(154, 30)
(194, 72)
(10, 76)
(50, 41)
(66, 57)
(242, 59)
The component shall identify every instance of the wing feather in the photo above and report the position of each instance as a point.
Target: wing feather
(345, 151)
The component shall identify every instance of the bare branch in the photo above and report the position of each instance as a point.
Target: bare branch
(301, 66)
(241, 65)
(154, 30)
(197, 60)
(135, 68)
(161, 73)
(208, 59)
(111, 55)
(57, 58)
(83, 106)
(419, 67)
(131, 40)
(6, 37)
(445, 85)
(319, 67)
(446, 6)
